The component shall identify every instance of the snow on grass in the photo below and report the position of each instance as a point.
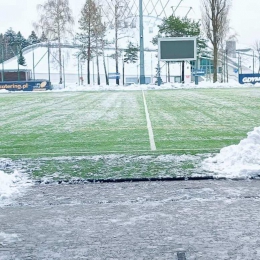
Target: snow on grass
(190, 121)
(242, 160)
(111, 166)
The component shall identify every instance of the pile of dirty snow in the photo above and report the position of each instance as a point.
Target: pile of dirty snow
(166, 86)
(12, 184)
(237, 161)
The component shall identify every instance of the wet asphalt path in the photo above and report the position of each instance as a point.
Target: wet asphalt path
(149, 220)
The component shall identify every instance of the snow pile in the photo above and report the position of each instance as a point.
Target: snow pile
(103, 87)
(3, 91)
(237, 161)
(74, 87)
(12, 184)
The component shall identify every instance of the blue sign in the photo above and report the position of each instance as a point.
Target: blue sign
(30, 85)
(198, 72)
(236, 70)
(249, 78)
(114, 75)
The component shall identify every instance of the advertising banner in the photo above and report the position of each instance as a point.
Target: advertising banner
(31, 85)
(249, 78)
(114, 75)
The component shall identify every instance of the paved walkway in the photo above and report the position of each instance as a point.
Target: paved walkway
(157, 220)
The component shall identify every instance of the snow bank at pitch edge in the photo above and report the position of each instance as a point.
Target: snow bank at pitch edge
(237, 161)
(166, 86)
(12, 185)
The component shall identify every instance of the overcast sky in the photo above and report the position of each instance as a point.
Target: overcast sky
(244, 16)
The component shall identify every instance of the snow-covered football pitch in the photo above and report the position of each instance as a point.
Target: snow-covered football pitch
(122, 134)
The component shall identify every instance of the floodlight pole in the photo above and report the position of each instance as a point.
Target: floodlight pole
(142, 73)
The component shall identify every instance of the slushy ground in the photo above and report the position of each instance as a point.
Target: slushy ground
(205, 220)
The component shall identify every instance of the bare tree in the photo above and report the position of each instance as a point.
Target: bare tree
(216, 25)
(90, 22)
(56, 22)
(99, 31)
(120, 10)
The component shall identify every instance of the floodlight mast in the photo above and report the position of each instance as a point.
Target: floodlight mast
(142, 73)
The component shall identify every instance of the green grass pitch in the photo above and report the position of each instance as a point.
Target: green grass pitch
(105, 135)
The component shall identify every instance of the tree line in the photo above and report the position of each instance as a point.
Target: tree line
(56, 23)
(12, 43)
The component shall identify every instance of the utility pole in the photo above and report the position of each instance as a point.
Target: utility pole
(49, 70)
(33, 66)
(142, 73)
(2, 47)
(18, 58)
(64, 84)
(253, 62)
(116, 40)
(238, 66)
(78, 72)
(227, 64)
(123, 64)
(182, 71)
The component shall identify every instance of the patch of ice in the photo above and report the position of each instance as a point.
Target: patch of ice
(12, 184)
(237, 161)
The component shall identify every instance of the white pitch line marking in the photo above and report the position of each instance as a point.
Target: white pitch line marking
(149, 126)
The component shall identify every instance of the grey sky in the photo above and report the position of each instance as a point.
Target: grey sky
(244, 16)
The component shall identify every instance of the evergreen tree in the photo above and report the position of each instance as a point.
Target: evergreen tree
(181, 27)
(9, 40)
(33, 39)
(21, 59)
(43, 38)
(130, 56)
(173, 26)
(20, 41)
(131, 53)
